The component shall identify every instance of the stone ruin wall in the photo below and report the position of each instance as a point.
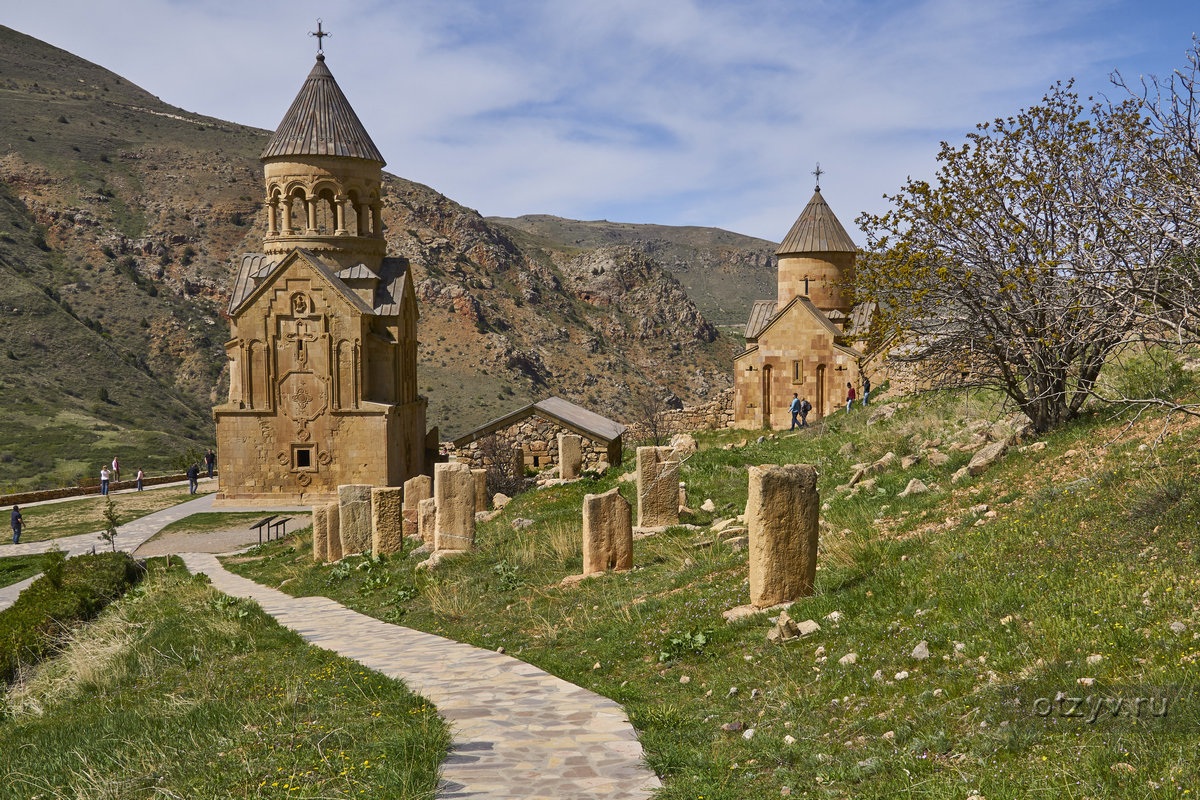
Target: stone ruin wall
(717, 414)
(537, 436)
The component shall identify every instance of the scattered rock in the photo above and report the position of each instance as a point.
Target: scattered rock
(1086, 681)
(596, 665)
(1177, 627)
(500, 500)
(1094, 658)
(884, 463)
(627, 477)
(882, 413)
(847, 450)
(1122, 766)
(1036, 447)
(685, 679)
(889, 735)
(848, 659)
(936, 458)
(738, 543)
(808, 627)
(901, 675)
(915, 486)
(708, 505)
(739, 613)
(789, 739)
(731, 727)
(960, 475)
(423, 550)
(521, 522)
(834, 616)
(683, 445)
(748, 734)
(921, 651)
(878, 676)
(985, 457)
(908, 462)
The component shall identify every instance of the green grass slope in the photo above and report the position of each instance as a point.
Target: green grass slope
(180, 691)
(1066, 569)
(73, 396)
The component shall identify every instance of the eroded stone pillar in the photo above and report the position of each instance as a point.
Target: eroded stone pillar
(570, 456)
(387, 531)
(481, 496)
(320, 534)
(454, 491)
(427, 520)
(354, 508)
(607, 532)
(657, 488)
(416, 489)
(518, 461)
(783, 516)
(333, 529)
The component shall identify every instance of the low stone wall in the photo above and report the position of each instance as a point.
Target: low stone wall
(83, 491)
(538, 438)
(716, 414)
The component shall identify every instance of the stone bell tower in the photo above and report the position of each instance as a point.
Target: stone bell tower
(816, 259)
(323, 176)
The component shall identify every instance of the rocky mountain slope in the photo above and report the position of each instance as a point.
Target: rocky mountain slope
(124, 213)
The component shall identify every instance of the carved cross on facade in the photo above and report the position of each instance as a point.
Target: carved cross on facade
(320, 34)
(302, 334)
(818, 172)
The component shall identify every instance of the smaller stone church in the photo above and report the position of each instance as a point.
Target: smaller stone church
(323, 334)
(799, 342)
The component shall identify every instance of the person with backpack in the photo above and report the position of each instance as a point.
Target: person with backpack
(193, 476)
(795, 409)
(866, 390)
(805, 407)
(17, 522)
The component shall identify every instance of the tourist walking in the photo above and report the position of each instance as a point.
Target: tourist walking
(193, 475)
(105, 475)
(16, 524)
(849, 396)
(116, 469)
(140, 476)
(795, 409)
(866, 390)
(210, 458)
(805, 407)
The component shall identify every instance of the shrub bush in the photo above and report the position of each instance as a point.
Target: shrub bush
(31, 628)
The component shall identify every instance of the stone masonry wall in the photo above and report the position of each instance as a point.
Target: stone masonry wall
(537, 436)
(716, 414)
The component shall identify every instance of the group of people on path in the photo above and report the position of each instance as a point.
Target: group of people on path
(800, 406)
(109, 475)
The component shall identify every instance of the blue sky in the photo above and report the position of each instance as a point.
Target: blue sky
(676, 112)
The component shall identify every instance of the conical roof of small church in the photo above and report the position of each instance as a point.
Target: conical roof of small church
(321, 122)
(816, 230)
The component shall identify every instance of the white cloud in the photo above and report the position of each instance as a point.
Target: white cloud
(678, 112)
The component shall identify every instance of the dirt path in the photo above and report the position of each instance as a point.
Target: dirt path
(222, 541)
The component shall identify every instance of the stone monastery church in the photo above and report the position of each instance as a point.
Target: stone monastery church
(797, 343)
(323, 345)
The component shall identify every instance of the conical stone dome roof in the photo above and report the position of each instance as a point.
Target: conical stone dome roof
(816, 230)
(321, 122)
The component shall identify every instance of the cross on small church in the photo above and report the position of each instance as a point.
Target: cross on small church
(818, 172)
(320, 34)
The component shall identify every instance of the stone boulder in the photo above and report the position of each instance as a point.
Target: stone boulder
(915, 486)
(884, 463)
(986, 456)
(682, 445)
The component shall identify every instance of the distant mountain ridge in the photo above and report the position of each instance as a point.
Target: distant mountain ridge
(124, 214)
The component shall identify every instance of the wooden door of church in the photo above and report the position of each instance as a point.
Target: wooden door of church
(820, 391)
(766, 396)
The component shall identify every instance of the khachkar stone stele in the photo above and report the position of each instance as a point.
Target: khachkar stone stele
(354, 509)
(387, 533)
(333, 533)
(454, 491)
(570, 456)
(607, 532)
(657, 488)
(783, 518)
(320, 534)
(416, 489)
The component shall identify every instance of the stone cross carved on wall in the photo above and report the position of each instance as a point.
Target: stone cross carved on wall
(304, 332)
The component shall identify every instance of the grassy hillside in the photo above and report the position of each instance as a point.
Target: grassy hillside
(72, 395)
(1069, 568)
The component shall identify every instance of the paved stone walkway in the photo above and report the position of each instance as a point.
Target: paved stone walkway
(519, 732)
